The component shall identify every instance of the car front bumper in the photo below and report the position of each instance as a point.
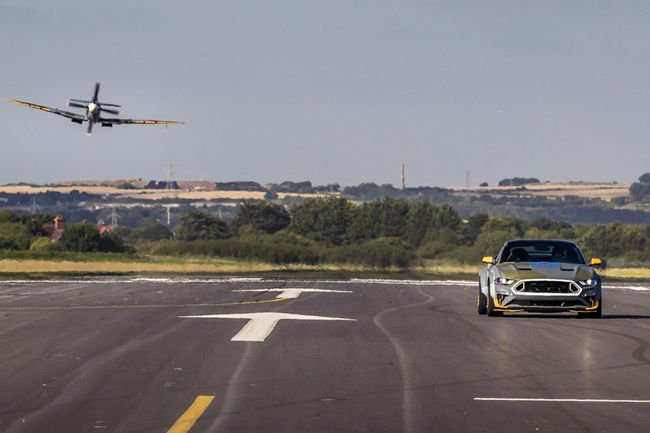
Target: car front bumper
(568, 304)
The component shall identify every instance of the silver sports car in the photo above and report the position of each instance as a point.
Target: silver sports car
(540, 276)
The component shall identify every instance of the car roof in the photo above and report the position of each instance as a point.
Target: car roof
(532, 241)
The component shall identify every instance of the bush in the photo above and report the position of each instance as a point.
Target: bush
(7, 216)
(148, 231)
(196, 225)
(518, 181)
(324, 220)
(14, 236)
(379, 253)
(239, 248)
(84, 237)
(267, 217)
(45, 244)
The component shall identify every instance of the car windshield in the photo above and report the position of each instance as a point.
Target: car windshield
(537, 251)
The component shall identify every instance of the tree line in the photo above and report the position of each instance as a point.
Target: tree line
(382, 233)
(390, 232)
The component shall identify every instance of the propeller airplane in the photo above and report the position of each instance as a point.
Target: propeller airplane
(93, 114)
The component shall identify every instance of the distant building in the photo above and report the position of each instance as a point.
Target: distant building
(56, 230)
(196, 185)
(104, 228)
(162, 185)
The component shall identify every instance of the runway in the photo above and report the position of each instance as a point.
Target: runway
(251, 355)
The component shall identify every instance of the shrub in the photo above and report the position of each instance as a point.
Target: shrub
(14, 236)
(267, 217)
(45, 244)
(84, 237)
(196, 225)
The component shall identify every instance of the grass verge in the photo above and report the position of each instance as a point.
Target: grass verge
(122, 264)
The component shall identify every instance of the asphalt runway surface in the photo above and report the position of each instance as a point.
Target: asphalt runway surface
(252, 355)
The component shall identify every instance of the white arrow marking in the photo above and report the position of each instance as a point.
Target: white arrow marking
(291, 293)
(260, 325)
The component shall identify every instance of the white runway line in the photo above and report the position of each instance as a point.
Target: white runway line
(641, 287)
(637, 288)
(560, 400)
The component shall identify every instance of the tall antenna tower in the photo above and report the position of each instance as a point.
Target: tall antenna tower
(34, 206)
(402, 184)
(114, 218)
(170, 178)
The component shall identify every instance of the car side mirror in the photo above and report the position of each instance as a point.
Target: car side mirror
(595, 262)
(488, 259)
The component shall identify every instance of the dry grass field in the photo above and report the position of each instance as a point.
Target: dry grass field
(181, 267)
(605, 191)
(145, 194)
(159, 265)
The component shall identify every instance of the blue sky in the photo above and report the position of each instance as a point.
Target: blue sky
(330, 91)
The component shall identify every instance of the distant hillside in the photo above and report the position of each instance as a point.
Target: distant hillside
(574, 202)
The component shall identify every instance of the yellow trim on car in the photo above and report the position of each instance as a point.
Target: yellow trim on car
(499, 307)
(594, 306)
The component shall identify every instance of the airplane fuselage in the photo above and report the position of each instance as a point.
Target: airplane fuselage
(93, 112)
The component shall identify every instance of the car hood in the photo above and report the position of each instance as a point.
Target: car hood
(550, 270)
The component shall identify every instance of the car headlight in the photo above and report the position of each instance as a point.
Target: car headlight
(587, 283)
(503, 281)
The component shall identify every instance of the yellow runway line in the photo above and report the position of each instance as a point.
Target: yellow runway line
(187, 420)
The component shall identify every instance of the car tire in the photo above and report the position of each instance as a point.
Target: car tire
(490, 307)
(596, 314)
(482, 300)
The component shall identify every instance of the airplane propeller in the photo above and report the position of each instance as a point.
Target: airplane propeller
(96, 93)
(90, 128)
(76, 105)
(108, 110)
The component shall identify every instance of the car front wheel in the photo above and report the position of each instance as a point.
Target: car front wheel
(481, 303)
(491, 307)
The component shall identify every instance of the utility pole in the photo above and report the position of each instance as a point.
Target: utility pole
(403, 185)
(173, 191)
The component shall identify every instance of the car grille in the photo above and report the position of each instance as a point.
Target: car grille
(550, 287)
(559, 304)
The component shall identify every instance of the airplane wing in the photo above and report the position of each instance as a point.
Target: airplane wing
(137, 122)
(74, 116)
